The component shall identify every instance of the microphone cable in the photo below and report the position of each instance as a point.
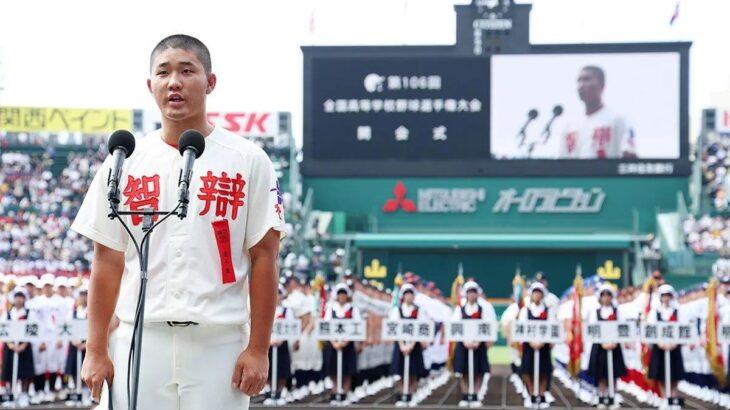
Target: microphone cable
(138, 248)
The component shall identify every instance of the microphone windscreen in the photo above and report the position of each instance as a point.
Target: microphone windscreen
(532, 114)
(192, 139)
(121, 139)
(557, 110)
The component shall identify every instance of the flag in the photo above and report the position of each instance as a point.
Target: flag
(712, 347)
(318, 285)
(518, 288)
(456, 287)
(645, 348)
(456, 301)
(575, 334)
(397, 283)
(675, 15)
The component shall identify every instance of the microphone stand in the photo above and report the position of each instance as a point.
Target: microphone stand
(522, 134)
(547, 132)
(135, 355)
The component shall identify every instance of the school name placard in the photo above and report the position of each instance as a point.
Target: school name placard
(669, 333)
(341, 330)
(408, 330)
(286, 329)
(537, 331)
(610, 332)
(471, 330)
(31, 331)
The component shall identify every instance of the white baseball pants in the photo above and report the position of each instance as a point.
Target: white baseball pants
(182, 368)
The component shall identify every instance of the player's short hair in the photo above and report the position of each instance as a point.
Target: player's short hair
(184, 42)
(598, 72)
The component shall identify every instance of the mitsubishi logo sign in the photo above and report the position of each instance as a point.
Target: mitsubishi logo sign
(399, 200)
(530, 200)
(436, 200)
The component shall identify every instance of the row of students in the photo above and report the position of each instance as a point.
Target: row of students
(472, 306)
(33, 357)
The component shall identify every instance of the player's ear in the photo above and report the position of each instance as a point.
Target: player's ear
(212, 81)
(149, 85)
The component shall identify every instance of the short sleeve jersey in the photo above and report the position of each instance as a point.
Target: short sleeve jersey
(199, 266)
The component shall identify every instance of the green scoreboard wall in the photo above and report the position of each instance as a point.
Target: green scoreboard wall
(494, 225)
(612, 204)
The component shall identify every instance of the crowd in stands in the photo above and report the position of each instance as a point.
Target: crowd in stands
(715, 164)
(707, 233)
(36, 210)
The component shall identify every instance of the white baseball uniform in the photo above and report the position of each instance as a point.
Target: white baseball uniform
(603, 134)
(509, 316)
(198, 266)
(47, 310)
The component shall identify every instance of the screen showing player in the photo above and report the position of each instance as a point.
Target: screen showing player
(585, 106)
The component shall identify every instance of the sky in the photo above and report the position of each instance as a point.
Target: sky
(95, 53)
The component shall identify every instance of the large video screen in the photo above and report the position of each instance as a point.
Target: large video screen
(586, 106)
(403, 108)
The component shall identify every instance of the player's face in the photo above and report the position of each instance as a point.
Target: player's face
(666, 298)
(19, 302)
(342, 298)
(48, 290)
(62, 291)
(471, 296)
(408, 298)
(606, 298)
(179, 84)
(83, 299)
(536, 297)
(589, 87)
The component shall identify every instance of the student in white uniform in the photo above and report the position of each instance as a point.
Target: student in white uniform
(64, 309)
(307, 358)
(536, 309)
(598, 132)
(472, 308)
(75, 346)
(407, 310)
(46, 353)
(26, 371)
(210, 347)
(509, 316)
(283, 364)
(341, 308)
(666, 311)
(598, 364)
(301, 307)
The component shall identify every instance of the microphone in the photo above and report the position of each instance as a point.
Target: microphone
(191, 145)
(531, 115)
(121, 146)
(557, 111)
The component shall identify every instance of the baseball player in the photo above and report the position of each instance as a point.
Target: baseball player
(203, 347)
(47, 354)
(599, 132)
(64, 310)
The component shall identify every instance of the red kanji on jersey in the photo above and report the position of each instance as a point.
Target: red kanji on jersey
(601, 139)
(225, 191)
(142, 193)
(571, 140)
